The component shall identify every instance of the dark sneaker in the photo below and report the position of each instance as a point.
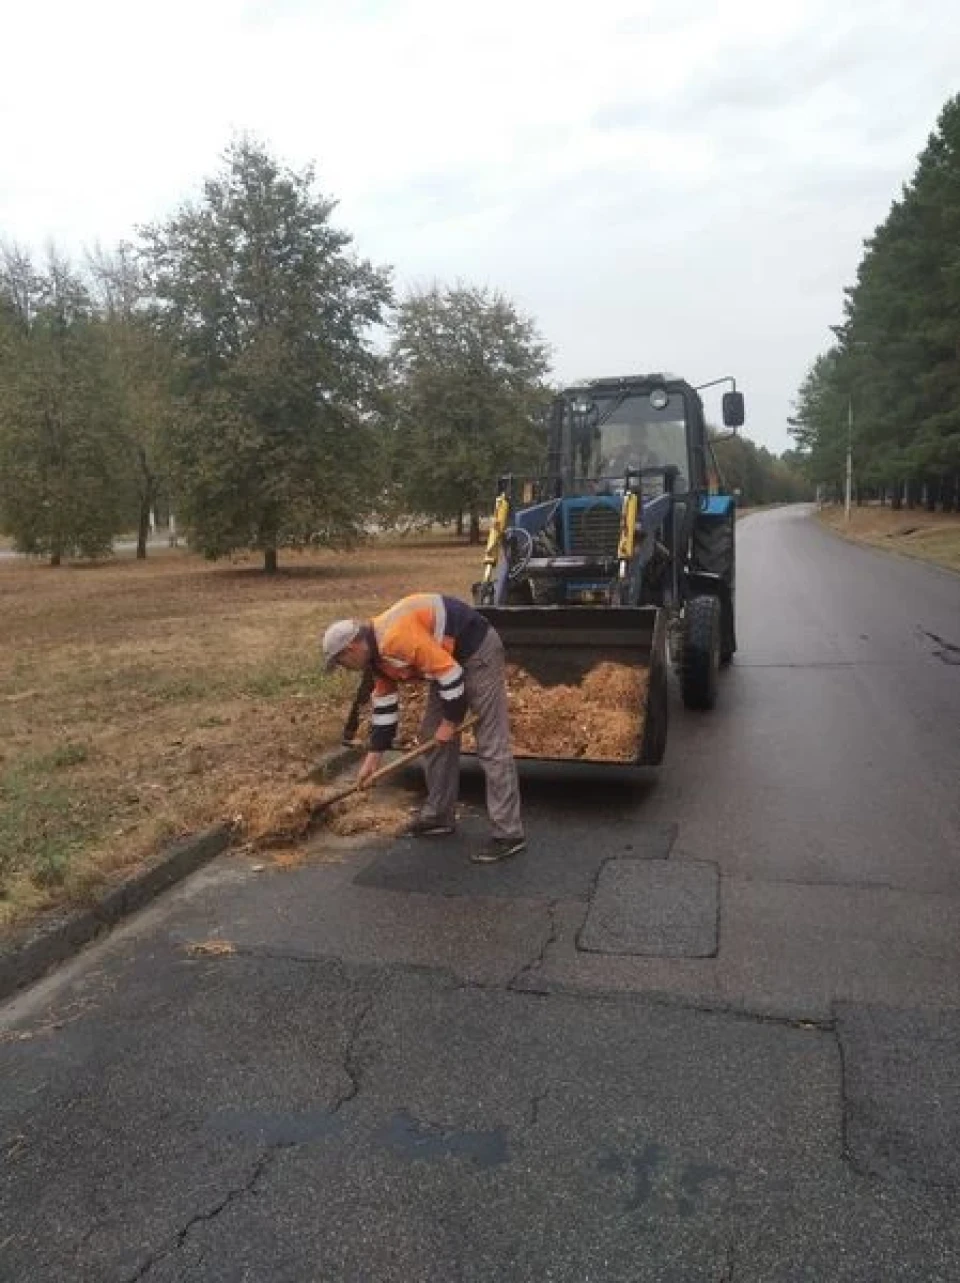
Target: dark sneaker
(419, 827)
(498, 849)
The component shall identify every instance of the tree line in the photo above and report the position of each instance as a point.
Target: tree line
(889, 386)
(230, 368)
(758, 475)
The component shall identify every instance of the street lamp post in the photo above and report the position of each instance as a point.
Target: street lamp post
(861, 346)
(849, 488)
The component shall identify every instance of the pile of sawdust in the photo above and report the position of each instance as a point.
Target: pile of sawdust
(273, 813)
(556, 714)
(369, 813)
(283, 815)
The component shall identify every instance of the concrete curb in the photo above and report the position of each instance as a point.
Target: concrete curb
(30, 955)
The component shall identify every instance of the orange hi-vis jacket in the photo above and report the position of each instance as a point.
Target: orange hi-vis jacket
(425, 637)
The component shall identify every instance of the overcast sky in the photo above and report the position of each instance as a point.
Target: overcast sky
(675, 184)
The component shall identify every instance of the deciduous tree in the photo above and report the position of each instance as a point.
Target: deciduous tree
(271, 314)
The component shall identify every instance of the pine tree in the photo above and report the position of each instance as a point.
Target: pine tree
(896, 363)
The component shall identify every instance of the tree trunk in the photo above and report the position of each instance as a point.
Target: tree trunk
(269, 561)
(474, 523)
(146, 506)
(896, 499)
(883, 496)
(460, 524)
(55, 557)
(143, 530)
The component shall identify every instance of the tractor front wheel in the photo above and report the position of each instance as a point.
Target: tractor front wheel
(700, 654)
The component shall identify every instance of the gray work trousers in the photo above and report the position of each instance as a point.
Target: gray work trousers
(486, 686)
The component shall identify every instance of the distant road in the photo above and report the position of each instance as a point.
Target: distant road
(123, 545)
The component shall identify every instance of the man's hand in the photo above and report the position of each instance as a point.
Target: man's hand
(369, 764)
(446, 731)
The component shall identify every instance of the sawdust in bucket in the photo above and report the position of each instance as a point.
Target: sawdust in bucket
(597, 719)
(569, 708)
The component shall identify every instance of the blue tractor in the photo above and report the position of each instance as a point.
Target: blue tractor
(625, 545)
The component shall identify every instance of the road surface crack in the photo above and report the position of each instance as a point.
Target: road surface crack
(536, 1103)
(727, 1270)
(353, 1064)
(353, 1067)
(949, 652)
(232, 1195)
(537, 961)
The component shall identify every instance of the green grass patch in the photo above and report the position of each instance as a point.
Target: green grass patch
(63, 757)
(278, 682)
(140, 685)
(44, 820)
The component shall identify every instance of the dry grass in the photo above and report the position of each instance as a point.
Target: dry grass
(929, 536)
(138, 699)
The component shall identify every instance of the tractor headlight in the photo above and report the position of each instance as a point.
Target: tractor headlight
(659, 399)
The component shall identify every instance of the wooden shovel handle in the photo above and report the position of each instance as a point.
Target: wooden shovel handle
(391, 768)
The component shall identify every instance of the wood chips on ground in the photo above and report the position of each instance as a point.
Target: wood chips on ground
(277, 815)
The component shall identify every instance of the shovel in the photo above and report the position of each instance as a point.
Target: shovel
(420, 751)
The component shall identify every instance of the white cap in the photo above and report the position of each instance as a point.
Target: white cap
(337, 638)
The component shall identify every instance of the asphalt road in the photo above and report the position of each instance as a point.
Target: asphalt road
(707, 1029)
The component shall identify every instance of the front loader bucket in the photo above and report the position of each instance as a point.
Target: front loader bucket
(585, 684)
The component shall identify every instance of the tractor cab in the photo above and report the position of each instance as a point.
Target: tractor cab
(606, 433)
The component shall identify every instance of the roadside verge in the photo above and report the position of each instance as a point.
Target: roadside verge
(28, 953)
(920, 535)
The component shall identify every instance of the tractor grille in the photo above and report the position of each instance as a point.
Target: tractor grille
(595, 531)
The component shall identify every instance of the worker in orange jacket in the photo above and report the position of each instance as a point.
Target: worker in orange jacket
(441, 640)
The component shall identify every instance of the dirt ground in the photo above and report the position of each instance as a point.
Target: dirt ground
(139, 701)
(930, 536)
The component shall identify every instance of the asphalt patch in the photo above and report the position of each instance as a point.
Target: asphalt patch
(663, 910)
(562, 861)
(902, 1092)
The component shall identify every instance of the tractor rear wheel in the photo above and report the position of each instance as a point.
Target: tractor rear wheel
(700, 655)
(714, 550)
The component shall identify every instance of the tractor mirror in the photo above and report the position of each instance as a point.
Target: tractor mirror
(733, 410)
